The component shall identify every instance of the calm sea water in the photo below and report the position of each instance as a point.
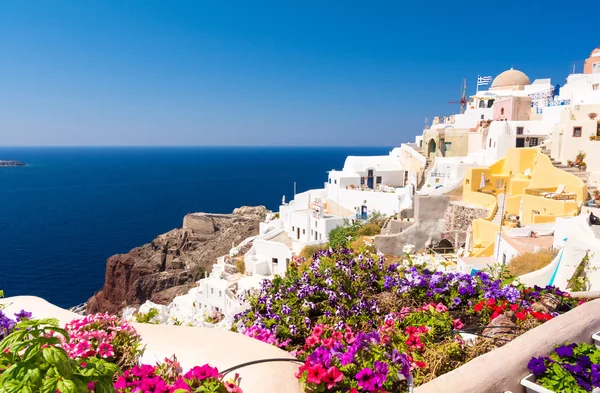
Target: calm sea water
(72, 208)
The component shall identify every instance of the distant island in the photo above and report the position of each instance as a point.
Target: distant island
(11, 163)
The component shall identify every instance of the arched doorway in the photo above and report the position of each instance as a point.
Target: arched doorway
(431, 146)
(443, 247)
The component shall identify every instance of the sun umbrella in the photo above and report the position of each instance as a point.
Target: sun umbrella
(483, 183)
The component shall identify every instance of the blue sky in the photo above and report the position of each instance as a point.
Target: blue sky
(146, 72)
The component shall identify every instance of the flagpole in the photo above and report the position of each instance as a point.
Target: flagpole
(477, 85)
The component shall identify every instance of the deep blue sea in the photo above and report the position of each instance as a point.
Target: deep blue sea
(62, 216)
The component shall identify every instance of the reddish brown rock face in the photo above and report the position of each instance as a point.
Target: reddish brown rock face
(174, 261)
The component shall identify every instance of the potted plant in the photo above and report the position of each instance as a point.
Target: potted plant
(570, 163)
(583, 166)
(570, 368)
(580, 157)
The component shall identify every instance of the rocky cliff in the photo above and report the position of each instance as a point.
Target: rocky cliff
(174, 261)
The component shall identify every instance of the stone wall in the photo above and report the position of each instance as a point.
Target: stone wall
(458, 219)
(426, 230)
(199, 223)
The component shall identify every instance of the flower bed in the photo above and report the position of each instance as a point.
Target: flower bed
(311, 310)
(95, 354)
(573, 368)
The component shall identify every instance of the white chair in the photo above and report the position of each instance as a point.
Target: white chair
(559, 190)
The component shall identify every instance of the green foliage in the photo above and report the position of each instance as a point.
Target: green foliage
(31, 361)
(377, 218)
(148, 317)
(308, 251)
(342, 236)
(240, 265)
(1, 293)
(370, 229)
(500, 271)
(579, 281)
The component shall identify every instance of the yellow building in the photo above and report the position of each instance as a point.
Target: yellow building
(523, 184)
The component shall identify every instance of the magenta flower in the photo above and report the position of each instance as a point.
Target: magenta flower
(202, 373)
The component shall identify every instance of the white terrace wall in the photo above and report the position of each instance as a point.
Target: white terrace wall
(384, 202)
(193, 346)
(502, 369)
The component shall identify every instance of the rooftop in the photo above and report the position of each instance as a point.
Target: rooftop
(528, 244)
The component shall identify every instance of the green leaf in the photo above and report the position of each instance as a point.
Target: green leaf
(58, 358)
(106, 386)
(49, 385)
(66, 386)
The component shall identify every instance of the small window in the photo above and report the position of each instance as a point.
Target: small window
(490, 103)
(504, 258)
(312, 231)
(448, 146)
(501, 111)
(490, 142)
(335, 181)
(287, 261)
(320, 238)
(378, 180)
(293, 229)
(482, 116)
(220, 294)
(316, 224)
(482, 104)
(329, 181)
(304, 231)
(519, 130)
(598, 129)
(533, 142)
(370, 173)
(576, 132)
(275, 260)
(362, 181)
(212, 291)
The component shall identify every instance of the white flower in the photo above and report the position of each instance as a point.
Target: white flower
(408, 248)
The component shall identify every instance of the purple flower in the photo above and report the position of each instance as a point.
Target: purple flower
(23, 315)
(537, 366)
(321, 355)
(366, 379)
(381, 372)
(564, 352)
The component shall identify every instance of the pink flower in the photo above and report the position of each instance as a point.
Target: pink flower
(328, 342)
(458, 324)
(105, 350)
(312, 341)
(318, 331)
(202, 373)
(332, 377)
(316, 374)
(232, 387)
(441, 308)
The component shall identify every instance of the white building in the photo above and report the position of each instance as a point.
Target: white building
(269, 255)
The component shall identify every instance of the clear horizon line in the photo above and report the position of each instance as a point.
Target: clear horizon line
(183, 146)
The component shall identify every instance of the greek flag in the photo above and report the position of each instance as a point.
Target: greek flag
(484, 80)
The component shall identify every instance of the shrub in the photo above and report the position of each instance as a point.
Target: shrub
(370, 229)
(240, 265)
(31, 360)
(308, 251)
(148, 317)
(342, 236)
(530, 262)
